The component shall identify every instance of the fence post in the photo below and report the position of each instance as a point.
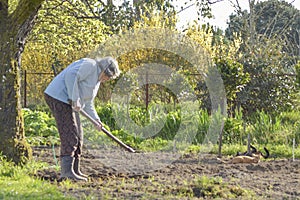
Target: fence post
(248, 142)
(147, 90)
(220, 140)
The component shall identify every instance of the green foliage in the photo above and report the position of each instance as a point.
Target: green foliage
(67, 44)
(153, 144)
(276, 150)
(105, 113)
(290, 117)
(39, 123)
(94, 138)
(267, 129)
(262, 127)
(296, 97)
(128, 138)
(67, 34)
(59, 37)
(203, 126)
(272, 18)
(139, 115)
(284, 19)
(233, 131)
(234, 77)
(272, 83)
(151, 13)
(250, 79)
(40, 127)
(125, 15)
(12, 6)
(224, 54)
(283, 151)
(230, 149)
(171, 126)
(268, 55)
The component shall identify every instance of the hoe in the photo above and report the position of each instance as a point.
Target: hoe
(128, 148)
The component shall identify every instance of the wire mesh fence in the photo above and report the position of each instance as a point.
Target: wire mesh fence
(34, 84)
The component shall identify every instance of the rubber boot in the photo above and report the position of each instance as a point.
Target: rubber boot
(67, 171)
(77, 167)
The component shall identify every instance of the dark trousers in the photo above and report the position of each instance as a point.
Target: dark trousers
(68, 125)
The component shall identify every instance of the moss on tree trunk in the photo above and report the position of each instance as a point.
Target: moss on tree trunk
(12, 144)
(14, 28)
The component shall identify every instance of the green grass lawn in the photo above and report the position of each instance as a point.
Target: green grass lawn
(18, 182)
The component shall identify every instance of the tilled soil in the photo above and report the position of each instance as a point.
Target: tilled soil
(268, 179)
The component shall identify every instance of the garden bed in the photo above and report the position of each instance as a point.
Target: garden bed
(182, 178)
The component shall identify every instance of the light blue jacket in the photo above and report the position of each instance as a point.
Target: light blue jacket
(79, 81)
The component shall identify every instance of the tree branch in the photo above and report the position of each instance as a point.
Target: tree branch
(236, 6)
(183, 9)
(90, 7)
(25, 9)
(213, 2)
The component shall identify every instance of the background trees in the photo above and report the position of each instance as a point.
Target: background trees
(271, 19)
(256, 56)
(259, 45)
(68, 33)
(270, 48)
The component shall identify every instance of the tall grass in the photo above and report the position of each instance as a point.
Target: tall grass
(279, 129)
(163, 124)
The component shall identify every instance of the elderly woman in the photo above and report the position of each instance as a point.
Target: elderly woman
(73, 89)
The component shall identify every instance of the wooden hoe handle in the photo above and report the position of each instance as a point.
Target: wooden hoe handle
(128, 148)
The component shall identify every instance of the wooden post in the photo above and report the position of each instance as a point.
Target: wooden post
(147, 90)
(220, 139)
(248, 141)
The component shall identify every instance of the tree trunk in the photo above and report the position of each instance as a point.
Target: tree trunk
(137, 5)
(110, 2)
(14, 28)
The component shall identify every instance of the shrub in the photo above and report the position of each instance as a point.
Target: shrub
(203, 126)
(40, 127)
(105, 113)
(233, 131)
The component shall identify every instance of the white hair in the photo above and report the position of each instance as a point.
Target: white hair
(109, 66)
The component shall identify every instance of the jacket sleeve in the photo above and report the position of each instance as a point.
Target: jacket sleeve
(77, 72)
(89, 108)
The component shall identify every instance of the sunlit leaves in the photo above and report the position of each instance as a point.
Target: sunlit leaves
(65, 36)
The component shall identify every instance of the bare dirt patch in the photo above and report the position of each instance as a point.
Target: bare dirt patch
(270, 179)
